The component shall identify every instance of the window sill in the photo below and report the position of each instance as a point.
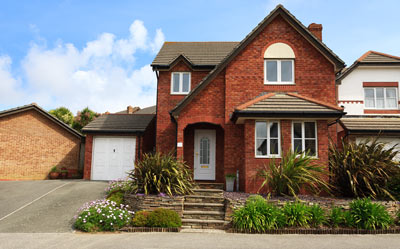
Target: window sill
(279, 83)
(179, 93)
(267, 157)
(381, 111)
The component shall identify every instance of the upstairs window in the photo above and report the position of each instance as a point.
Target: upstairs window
(279, 64)
(180, 83)
(381, 98)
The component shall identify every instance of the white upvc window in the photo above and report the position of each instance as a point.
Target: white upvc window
(279, 71)
(304, 137)
(380, 98)
(180, 82)
(267, 139)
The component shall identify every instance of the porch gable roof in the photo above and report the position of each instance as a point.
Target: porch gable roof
(285, 105)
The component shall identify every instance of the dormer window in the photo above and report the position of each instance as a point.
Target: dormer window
(279, 64)
(180, 82)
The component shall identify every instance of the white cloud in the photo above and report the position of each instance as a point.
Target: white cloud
(101, 75)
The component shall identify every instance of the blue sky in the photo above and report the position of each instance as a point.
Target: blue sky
(97, 53)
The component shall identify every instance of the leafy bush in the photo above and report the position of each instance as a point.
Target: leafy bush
(362, 169)
(83, 118)
(297, 214)
(336, 217)
(63, 114)
(54, 169)
(368, 215)
(161, 217)
(119, 185)
(157, 173)
(140, 219)
(292, 173)
(398, 216)
(102, 215)
(317, 216)
(117, 197)
(257, 215)
(394, 186)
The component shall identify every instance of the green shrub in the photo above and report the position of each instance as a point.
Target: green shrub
(394, 186)
(161, 217)
(368, 215)
(140, 219)
(119, 185)
(293, 172)
(257, 215)
(362, 169)
(296, 214)
(336, 217)
(317, 216)
(102, 215)
(117, 197)
(398, 216)
(157, 173)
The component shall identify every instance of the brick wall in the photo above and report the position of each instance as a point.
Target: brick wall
(31, 144)
(241, 81)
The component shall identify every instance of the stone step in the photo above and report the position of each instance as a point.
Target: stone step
(203, 199)
(211, 185)
(188, 206)
(204, 215)
(203, 224)
(209, 192)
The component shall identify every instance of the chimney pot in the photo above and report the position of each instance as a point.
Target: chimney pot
(316, 29)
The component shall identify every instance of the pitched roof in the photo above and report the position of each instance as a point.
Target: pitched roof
(119, 123)
(196, 53)
(279, 10)
(371, 58)
(37, 108)
(147, 110)
(376, 124)
(285, 104)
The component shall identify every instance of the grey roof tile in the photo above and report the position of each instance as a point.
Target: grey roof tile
(123, 123)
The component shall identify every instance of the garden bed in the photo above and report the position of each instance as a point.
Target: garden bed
(150, 229)
(394, 230)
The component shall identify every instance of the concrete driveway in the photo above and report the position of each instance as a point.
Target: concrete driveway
(44, 206)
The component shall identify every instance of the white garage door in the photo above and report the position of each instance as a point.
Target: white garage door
(112, 157)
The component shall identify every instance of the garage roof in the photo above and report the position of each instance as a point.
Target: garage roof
(119, 123)
(362, 123)
(37, 108)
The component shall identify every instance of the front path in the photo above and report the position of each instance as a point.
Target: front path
(44, 206)
(196, 240)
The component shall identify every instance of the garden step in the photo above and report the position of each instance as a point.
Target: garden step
(204, 206)
(209, 192)
(204, 199)
(203, 224)
(204, 215)
(211, 185)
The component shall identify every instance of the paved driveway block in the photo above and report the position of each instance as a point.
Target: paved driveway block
(54, 204)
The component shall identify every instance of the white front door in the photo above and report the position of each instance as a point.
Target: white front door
(112, 157)
(204, 154)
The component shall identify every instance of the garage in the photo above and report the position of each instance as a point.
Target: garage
(114, 142)
(113, 157)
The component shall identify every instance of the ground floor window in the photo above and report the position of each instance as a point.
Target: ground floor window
(304, 137)
(267, 138)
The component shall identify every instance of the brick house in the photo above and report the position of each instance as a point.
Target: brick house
(32, 141)
(228, 107)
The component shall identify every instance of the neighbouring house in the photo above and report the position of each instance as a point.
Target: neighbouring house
(228, 107)
(369, 93)
(32, 141)
(115, 141)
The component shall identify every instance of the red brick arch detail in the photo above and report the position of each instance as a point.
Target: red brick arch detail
(292, 46)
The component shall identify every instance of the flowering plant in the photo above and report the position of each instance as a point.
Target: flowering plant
(118, 185)
(102, 215)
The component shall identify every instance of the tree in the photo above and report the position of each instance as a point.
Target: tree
(83, 118)
(63, 114)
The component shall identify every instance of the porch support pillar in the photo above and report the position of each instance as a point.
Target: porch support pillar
(180, 142)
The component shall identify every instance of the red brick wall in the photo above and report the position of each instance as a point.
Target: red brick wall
(31, 144)
(166, 129)
(241, 81)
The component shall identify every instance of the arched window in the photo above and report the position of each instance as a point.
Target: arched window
(279, 64)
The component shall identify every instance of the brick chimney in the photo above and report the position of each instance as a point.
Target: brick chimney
(131, 109)
(316, 29)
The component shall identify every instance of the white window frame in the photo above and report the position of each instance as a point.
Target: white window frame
(279, 73)
(268, 139)
(384, 97)
(303, 138)
(180, 83)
